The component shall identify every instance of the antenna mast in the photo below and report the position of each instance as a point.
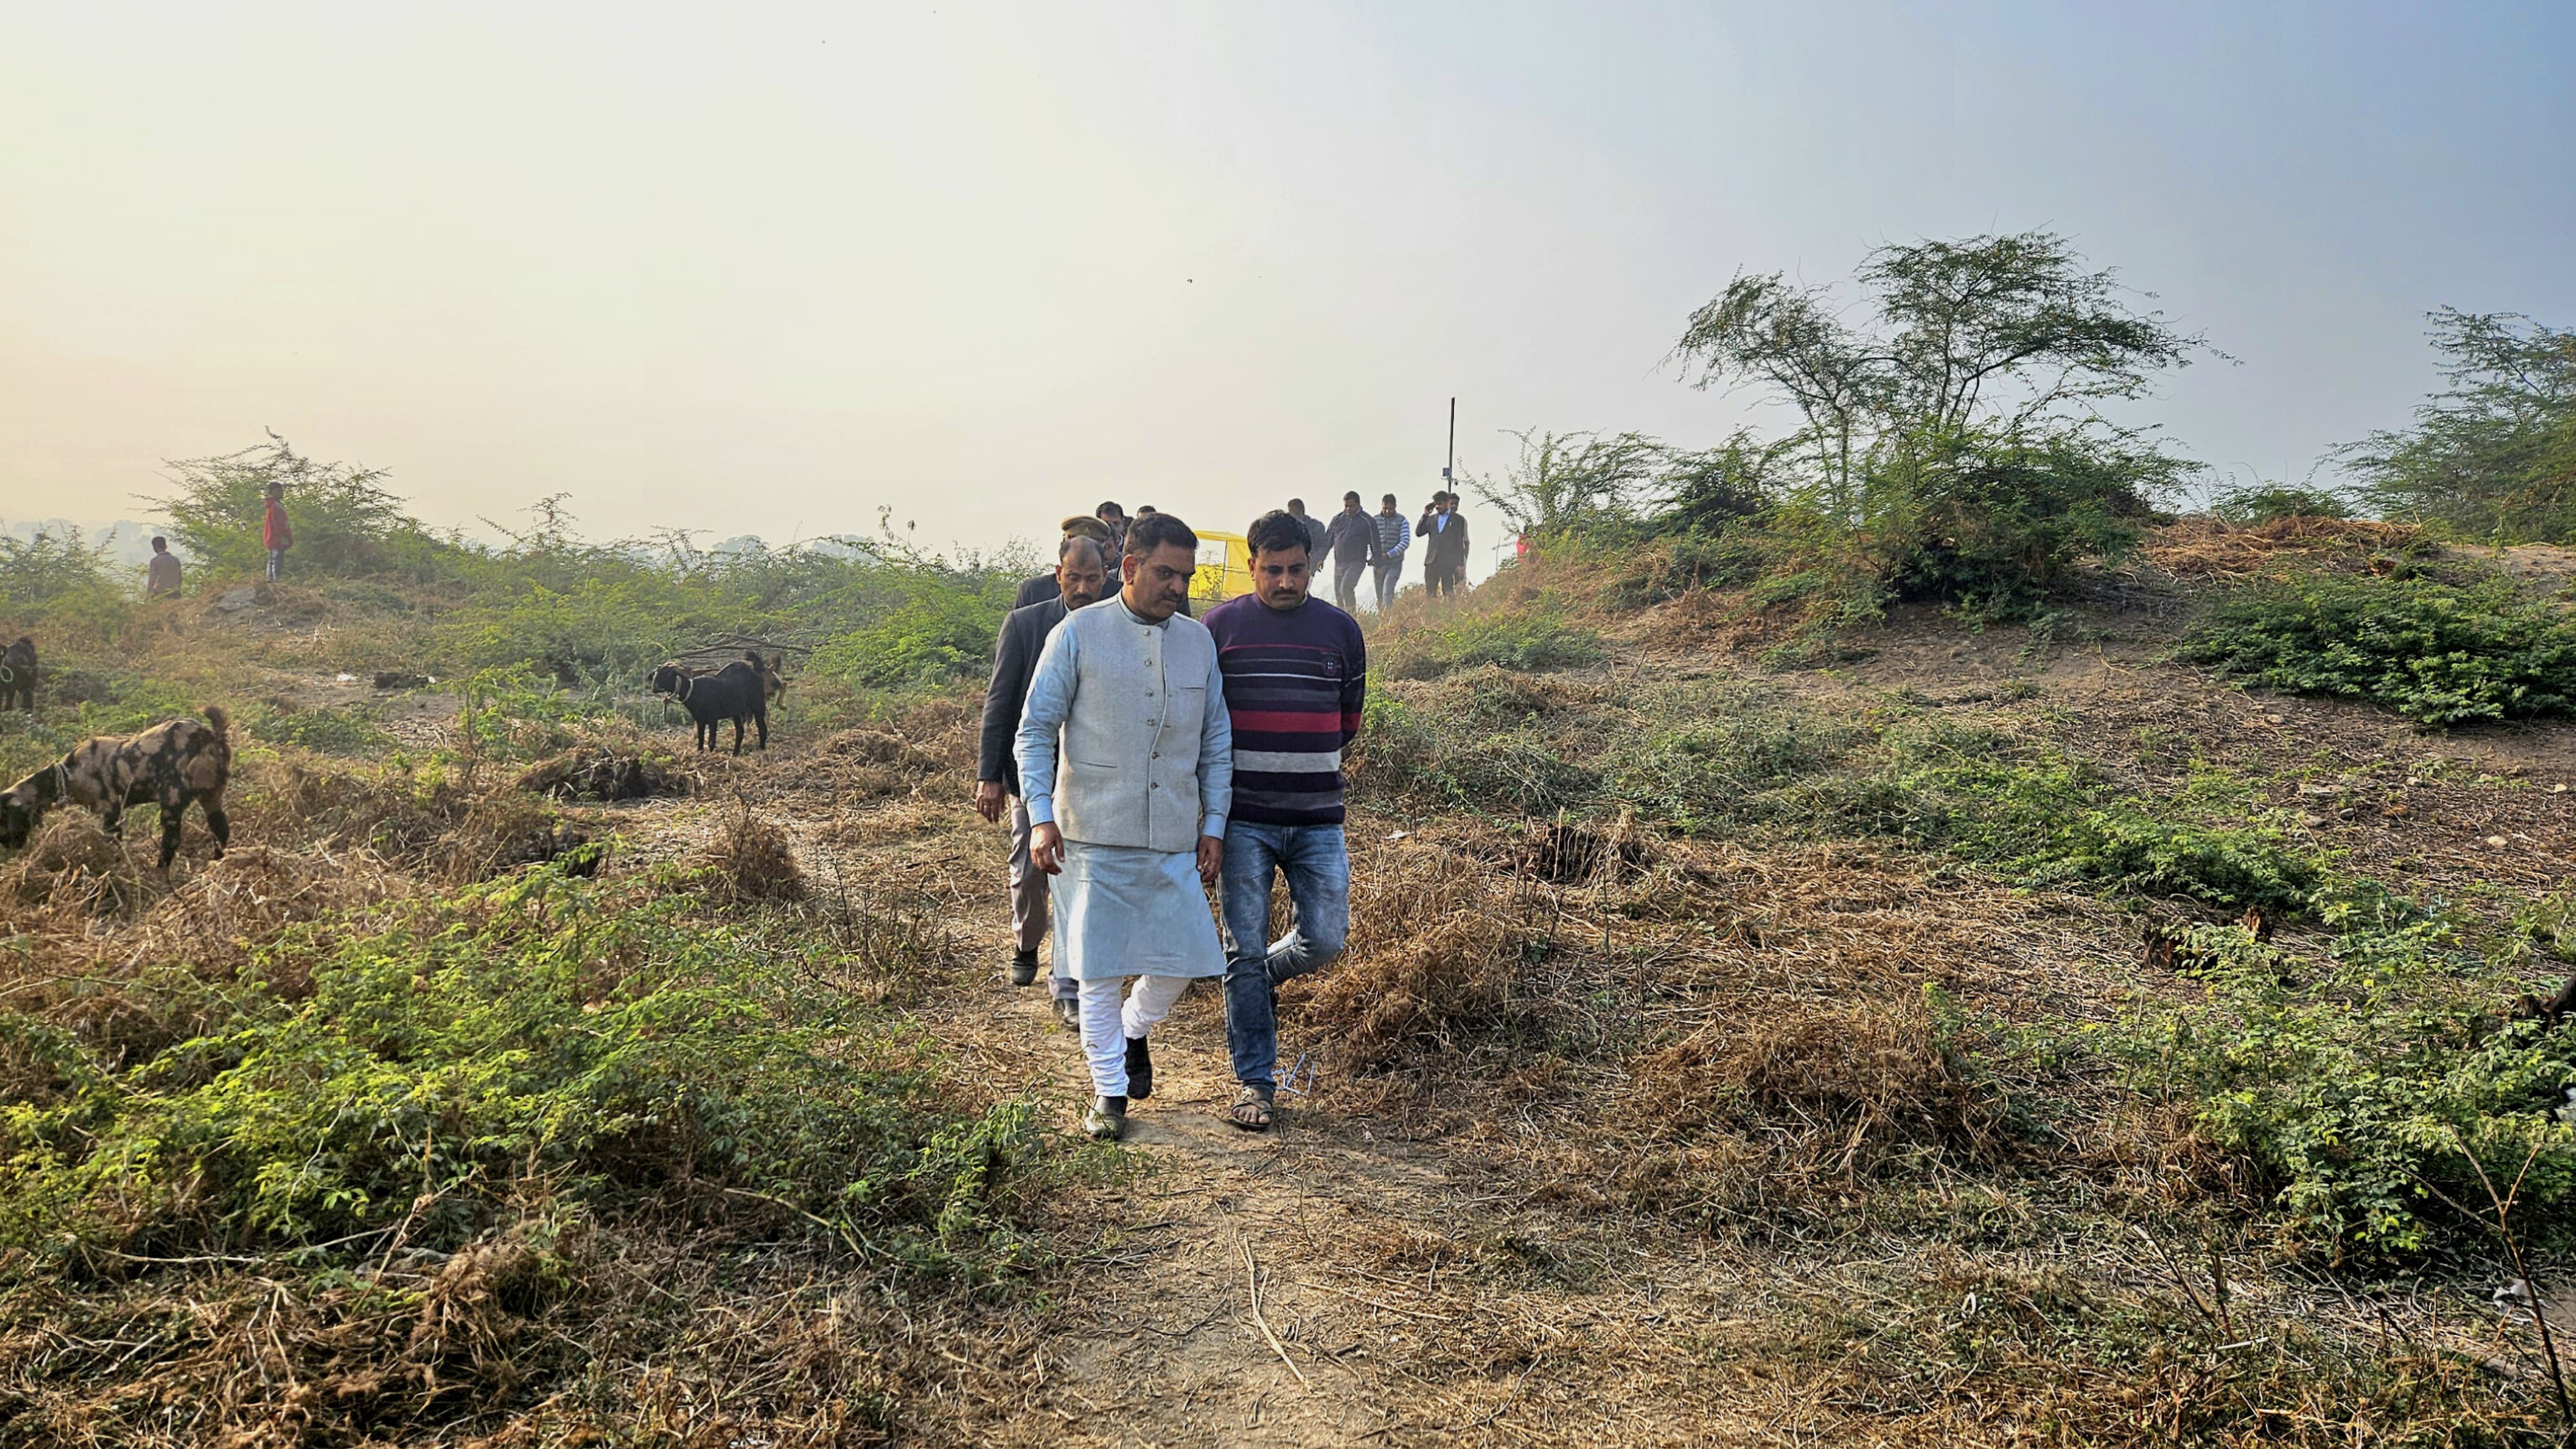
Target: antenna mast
(1445, 468)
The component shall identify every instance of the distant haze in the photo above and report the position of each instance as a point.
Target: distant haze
(762, 269)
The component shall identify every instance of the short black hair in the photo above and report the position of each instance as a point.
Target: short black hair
(1390, 498)
(1277, 532)
(1144, 508)
(1351, 497)
(1296, 505)
(1159, 530)
(159, 542)
(1064, 550)
(1109, 507)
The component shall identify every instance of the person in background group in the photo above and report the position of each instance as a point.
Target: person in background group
(274, 533)
(161, 575)
(1307, 521)
(1081, 578)
(1351, 540)
(1113, 518)
(1296, 676)
(1444, 545)
(1127, 768)
(1038, 588)
(1394, 536)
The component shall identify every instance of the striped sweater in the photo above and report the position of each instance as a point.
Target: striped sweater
(1294, 682)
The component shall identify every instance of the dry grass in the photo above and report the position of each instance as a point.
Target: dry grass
(2201, 547)
(751, 860)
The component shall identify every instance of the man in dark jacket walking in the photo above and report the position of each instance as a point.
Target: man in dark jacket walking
(1081, 579)
(1038, 588)
(1443, 535)
(1351, 538)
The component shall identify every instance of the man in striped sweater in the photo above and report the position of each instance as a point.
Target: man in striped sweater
(1295, 672)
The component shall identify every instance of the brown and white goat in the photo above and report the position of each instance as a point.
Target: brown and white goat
(168, 765)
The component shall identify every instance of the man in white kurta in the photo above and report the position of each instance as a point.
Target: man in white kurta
(1126, 764)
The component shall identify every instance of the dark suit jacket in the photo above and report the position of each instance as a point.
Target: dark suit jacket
(1015, 661)
(1443, 547)
(1037, 590)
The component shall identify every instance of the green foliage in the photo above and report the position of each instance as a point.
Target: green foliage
(346, 522)
(1957, 446)
(512, 714)
(2431, 651)
(2127, 848)
(2267, 502)
(1572, 482)
(329, 730)
(2493, 455)
(2365, 1083)
(1532, 642)
(46, 569)
(936, 628)
(1994, 522)
(533, 1036)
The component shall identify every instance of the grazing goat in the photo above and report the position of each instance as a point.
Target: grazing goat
(18, 675)
(167, 765)
(737, 692)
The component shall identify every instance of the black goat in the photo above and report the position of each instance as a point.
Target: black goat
(18, 675)
(737, 692)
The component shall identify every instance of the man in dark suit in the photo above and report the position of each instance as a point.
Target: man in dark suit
(1081, 577)
(1039, 588)
(1443, 540)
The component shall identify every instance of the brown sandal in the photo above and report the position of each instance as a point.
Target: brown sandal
(1254, 1109)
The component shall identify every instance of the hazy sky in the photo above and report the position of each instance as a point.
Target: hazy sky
(764, 271)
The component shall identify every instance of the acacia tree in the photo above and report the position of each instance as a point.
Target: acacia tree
(2492, 455)
(346, 521)
(1954, 426)
(2006, 336)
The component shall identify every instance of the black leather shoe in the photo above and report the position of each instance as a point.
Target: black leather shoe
(1107, 1119)
(1068, 1013)
(1024, 968)
(1140, 1070)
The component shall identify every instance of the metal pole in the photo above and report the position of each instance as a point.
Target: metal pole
(1445, 475)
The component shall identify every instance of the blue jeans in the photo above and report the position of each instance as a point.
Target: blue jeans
(1318, 867)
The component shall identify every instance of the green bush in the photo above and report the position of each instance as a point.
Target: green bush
(1530, 642)
(2369, 1087)
(1994, 523)
(2125, 848)
(2431, 651)
(537, 1035)
(330, 731)
(2267, 502)
(939, 630)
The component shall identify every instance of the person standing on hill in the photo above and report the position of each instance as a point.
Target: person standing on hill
(1394, 536)
(1444, 546)
(1081, 579)
(161, 575)
(1127, 767)
(1038, 588)
(1351, 539)
(1307, 521)
(275, 534)
(1296, 679)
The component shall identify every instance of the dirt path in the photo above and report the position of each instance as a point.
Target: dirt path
(1408, 1293)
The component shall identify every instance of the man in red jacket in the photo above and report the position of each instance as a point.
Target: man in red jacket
(274, 534)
